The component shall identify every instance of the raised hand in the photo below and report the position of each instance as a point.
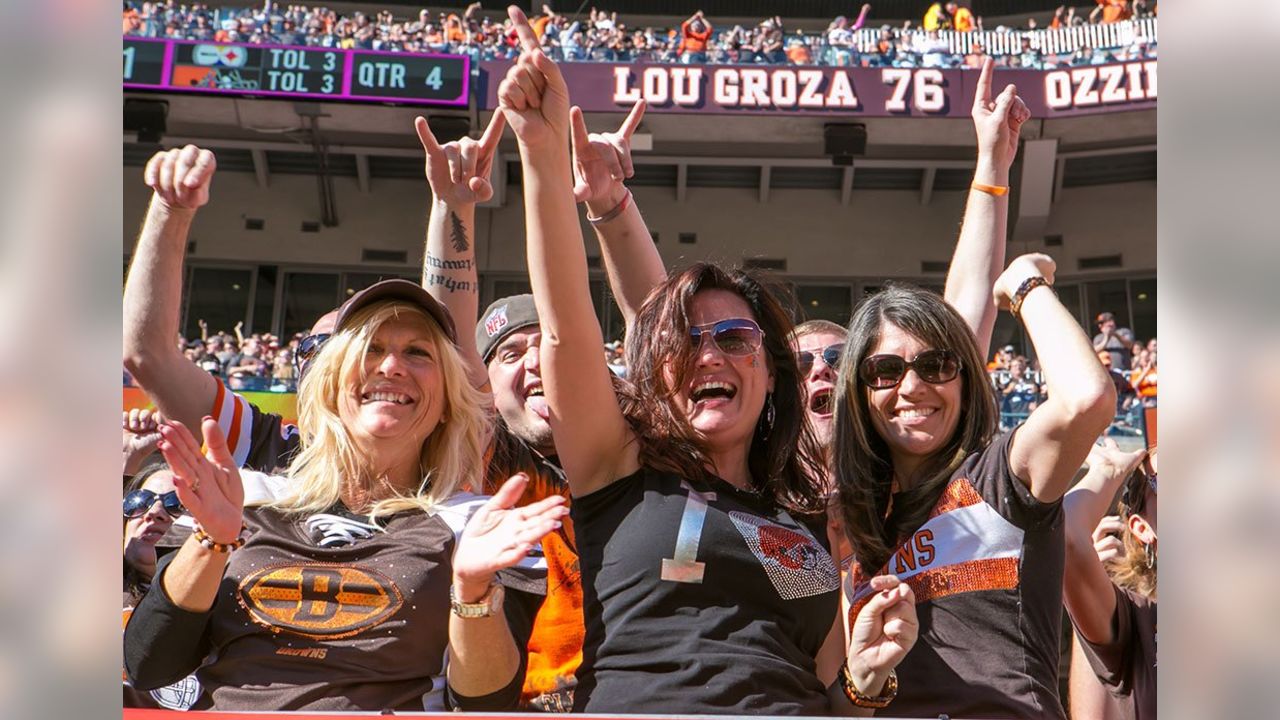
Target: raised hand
(602, 161)
(181, 177)
(1106, 539)
(208, 482)
(1111, 463)
(883, 633)
(999, 122)
(1022, 267)
(499, 535)
(458, 171)
(533, 94)
(141, 436)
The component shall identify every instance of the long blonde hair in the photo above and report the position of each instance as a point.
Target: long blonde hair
(1136, 569)
(452, 455)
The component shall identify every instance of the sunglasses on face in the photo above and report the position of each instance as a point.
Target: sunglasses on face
(829, 354)
(881, 372)
(736, 337)
(1134, 495)
(138, 502)
(307, 349)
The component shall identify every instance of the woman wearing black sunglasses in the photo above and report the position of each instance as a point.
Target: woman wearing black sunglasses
(150, 507)
(705, 590)
(1114, 613)
(970, 518)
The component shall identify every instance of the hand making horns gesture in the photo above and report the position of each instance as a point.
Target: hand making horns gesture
(458, 171)
(602, 161)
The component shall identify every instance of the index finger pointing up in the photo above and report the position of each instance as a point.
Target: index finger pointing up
(528, 39)
(493, 133)
(633, 119)
(983, 95)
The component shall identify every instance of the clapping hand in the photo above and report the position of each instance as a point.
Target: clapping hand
(458, 171)
(500, 535)
(208, 482)
(1022, 267)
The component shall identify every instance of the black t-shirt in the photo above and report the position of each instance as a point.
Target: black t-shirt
(699, 598)
(1127, 666)
(986, 569)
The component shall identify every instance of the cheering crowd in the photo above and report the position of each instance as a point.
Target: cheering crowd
(474, 513)
(601, 36)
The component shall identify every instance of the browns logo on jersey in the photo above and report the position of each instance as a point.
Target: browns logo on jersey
(322, 601)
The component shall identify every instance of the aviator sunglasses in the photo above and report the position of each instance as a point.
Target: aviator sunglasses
(138, 502)
(881, 372)
(307, 349)
(736, 336)
(829, 354)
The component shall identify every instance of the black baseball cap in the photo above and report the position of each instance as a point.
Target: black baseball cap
(502, 318)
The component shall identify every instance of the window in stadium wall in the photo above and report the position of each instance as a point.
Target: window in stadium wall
(264, 300)
(1107, 296)
(219, 296)
(825, 302)
(1142, 301)
(307, 296)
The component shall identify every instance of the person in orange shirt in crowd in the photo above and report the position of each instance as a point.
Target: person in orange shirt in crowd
(977, 55)
(695, 32)
(937, 17)
(1111, 11)
(798, 53)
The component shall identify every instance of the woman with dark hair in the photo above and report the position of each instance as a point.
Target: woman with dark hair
(708, 587)
(969, 518)
(1115, 615)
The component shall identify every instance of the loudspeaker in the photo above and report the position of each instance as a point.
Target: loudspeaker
(843, 141)
(147, 118)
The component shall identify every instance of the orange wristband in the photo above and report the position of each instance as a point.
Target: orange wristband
(997, 190)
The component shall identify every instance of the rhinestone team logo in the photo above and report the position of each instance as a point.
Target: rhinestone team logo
(496, 321)
(322, 601)
(796, 564)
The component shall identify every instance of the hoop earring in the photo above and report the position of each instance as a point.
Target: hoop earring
(1151, 556)
(770, 414)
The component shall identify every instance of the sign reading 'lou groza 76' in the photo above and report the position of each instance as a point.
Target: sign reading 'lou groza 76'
(868, 92)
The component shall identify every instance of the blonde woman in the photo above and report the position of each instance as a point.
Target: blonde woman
(338, 595)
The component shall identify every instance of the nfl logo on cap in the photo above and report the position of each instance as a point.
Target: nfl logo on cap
(496, 321)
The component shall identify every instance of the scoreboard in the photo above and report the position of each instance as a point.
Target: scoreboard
(300, 72)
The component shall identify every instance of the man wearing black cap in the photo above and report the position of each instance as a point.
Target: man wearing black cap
(1115, 340)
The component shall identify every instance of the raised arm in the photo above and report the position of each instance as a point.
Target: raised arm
(979, 255)
(601, 164)
(458, 173)
(1052, 444)
(862, 17)
(592, 438)
(153, 290)
(1087, 590)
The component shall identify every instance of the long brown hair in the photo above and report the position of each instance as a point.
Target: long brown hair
(863, 465)
(781, 457)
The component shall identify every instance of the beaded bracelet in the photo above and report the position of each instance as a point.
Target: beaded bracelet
(614, 213)
(867, 701)
(1031, 283)
(203, 538)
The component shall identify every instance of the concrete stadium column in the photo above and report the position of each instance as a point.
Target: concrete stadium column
(1035, 189)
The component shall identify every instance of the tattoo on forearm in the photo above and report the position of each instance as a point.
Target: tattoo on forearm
(435, 262)
(458, 234)
(449, 284)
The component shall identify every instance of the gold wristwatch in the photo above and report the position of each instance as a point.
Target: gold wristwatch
(489, 604)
